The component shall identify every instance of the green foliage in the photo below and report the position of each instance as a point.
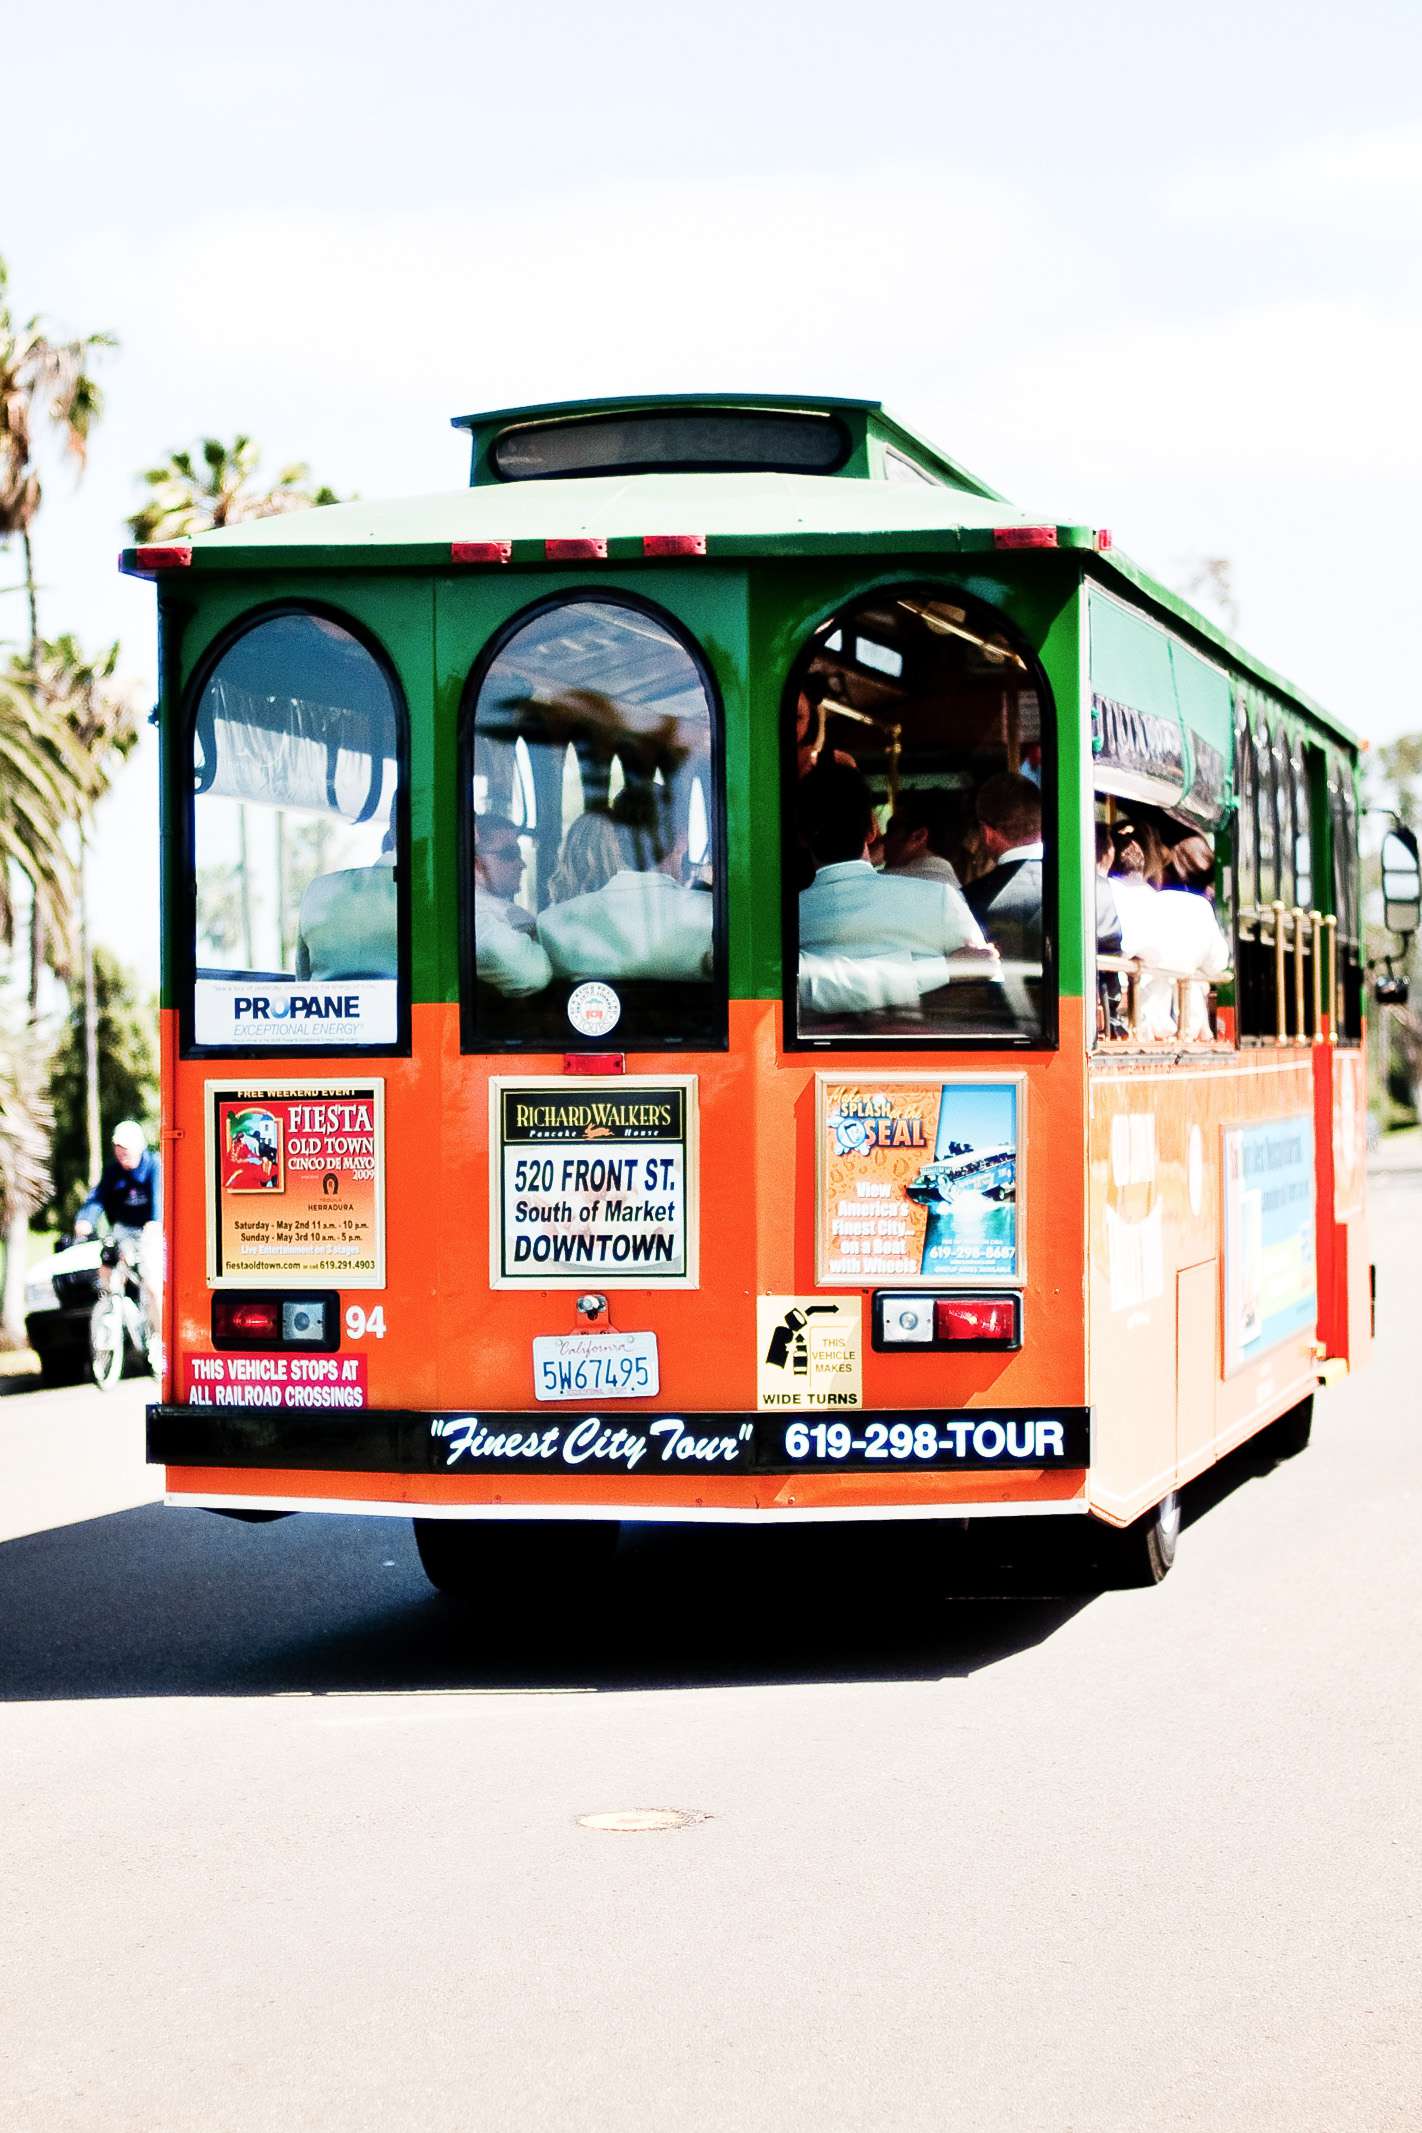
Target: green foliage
(40, 378)
(128, 1078)
(224, 489)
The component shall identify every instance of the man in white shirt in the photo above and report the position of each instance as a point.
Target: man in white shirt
(922, 830)
(507, 954)
(642, 923)
(1008, 898)
(869, 940)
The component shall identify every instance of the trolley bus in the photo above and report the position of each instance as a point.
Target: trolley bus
(668, 1016)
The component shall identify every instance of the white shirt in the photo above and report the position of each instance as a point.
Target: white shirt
(927, 866)
(1172, 930)
(872, 940)
(1019, 851)
(641, 925)
(506, 956)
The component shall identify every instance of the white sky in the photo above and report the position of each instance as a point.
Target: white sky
(1156, 269)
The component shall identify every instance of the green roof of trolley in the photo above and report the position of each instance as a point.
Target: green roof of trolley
(741, 514)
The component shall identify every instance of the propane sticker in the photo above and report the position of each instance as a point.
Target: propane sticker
(809, 1351)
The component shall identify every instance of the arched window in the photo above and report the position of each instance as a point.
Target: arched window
(1266, 816)
(295, 834)
(920, 853)
(593, 836)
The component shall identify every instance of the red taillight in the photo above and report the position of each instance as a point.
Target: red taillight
(1024, 537)
(480, 551)
(1103, 538)
(260, 1321)
(594, 1062)
(176, 555)
(975, 1318)
(575, 548)
(673, 544)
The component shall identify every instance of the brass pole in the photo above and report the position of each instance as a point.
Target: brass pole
(1316, 924)
(1300, 1032)
(1281, 996)
(1331, 927)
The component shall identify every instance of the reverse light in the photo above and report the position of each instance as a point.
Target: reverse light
(927, 1321)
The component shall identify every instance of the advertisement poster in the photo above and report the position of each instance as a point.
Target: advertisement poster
(809, 1351)
(296, 1184)
(286, 1012)
(1269, 1289)
(917, 1179)
(594, 1183)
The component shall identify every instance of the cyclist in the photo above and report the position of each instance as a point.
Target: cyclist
(127, 1192)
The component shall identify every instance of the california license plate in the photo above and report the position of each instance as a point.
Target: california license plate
(595, 1366)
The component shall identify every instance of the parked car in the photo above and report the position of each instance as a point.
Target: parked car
(60, 1294)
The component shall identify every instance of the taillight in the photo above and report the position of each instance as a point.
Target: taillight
(925, 1320)
(271, 1320)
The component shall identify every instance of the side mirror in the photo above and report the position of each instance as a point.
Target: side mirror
(1401, 882)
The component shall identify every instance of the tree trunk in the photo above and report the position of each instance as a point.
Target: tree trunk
(92, 1130)
(31, 593)
(12, 1305)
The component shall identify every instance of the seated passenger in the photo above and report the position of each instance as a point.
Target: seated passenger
(506, 950)
(638, 921)
(1188, 938)
(347, 923)
(867, 939)
(923, 831)
(1007, 899)
(1132, 890)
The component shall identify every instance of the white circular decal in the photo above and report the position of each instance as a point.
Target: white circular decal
(594, 1009)
(1195, 1169)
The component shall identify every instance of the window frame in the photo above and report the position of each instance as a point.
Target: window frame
(1048, 1039)
(620, 1038)
(184, 961)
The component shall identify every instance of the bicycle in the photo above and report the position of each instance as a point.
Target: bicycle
(118, 1324)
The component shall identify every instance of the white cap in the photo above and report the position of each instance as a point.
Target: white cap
(130, 1137)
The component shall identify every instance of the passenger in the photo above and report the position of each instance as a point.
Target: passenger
(1133, 892)
(639, 921)
(1188, 938)
(812, 708)
(923, 830)
(866, 939)
(507, 954)
(1108, 931)
(347, 924)
(591, 855)
(1007, 899)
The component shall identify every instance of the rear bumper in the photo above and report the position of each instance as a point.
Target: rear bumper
(641, 1464)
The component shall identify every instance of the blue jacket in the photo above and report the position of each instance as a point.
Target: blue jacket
(131, 1197)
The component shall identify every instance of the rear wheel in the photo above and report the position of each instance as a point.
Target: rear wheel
(108, 1342)
(520, 1563)
(1141, 1553)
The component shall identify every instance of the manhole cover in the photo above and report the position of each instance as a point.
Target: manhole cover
(633, 1821)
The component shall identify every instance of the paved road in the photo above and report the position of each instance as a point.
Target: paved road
(285, 1848)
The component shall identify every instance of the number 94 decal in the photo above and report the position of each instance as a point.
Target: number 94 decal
(359, 1322)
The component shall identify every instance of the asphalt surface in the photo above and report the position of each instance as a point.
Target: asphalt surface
(285, 1844)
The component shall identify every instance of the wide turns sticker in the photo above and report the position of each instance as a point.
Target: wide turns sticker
(809, 1351)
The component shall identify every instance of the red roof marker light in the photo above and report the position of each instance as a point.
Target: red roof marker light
(576, 548)
(673, 544)
(480, 551)
(176, 555)
(1024, 536)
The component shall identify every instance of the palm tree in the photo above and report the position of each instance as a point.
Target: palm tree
(48, 379)
(219, 485)
(25, 1122)
(44, 771)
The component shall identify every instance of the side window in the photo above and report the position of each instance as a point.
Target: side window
(919, 855)
(1282, 753)
(1246, 822)
(1267, 816)
(296, 768)
(592, 820)
(1349, 957)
